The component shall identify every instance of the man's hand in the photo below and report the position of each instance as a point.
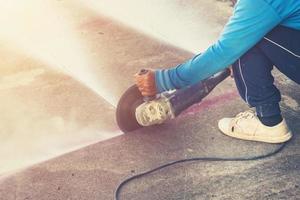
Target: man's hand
(145, 80)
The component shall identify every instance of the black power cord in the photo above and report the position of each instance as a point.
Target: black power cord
(125, 181)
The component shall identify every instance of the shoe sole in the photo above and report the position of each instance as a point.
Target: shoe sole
(274, 140)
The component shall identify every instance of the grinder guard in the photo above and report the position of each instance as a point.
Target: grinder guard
(125, 114)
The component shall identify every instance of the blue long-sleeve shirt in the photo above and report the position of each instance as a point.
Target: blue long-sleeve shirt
(251, 21)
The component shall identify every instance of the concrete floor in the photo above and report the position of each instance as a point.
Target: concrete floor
(61, 76)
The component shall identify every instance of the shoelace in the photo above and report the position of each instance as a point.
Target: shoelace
(244, 115)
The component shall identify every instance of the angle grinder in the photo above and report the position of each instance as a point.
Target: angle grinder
(135, 111)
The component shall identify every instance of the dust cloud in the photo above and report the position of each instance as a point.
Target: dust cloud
(45, 31)
(42, 32)
(29, 134)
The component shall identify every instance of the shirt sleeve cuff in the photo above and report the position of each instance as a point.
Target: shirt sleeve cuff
(163, 81)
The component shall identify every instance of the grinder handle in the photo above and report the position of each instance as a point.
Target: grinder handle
(144, 72)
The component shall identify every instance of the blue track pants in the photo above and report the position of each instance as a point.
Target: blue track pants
(252, 72)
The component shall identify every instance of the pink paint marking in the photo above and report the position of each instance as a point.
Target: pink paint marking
(208, 103)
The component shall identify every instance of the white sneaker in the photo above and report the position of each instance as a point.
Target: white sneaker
(247, 126)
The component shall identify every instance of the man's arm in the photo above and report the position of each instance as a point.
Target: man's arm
(251, 21)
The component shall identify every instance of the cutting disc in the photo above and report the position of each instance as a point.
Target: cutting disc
(126, 107)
